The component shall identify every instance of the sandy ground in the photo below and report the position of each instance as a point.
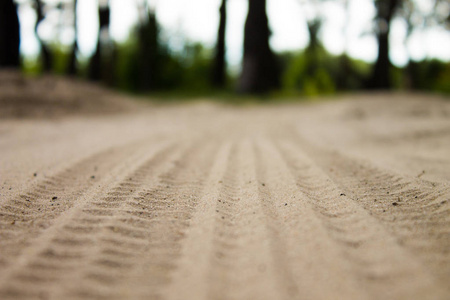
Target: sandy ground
(345, 199)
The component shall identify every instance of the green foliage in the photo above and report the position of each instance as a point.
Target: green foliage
(60, 58)
(317, 72)
(60, 55)
(31, 66)
(196, 62)
(442, 82)
(127, 65)
(396, 77)
(429, 75)
(145, 63)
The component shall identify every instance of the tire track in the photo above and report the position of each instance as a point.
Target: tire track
(190, 278)
(23, 218)
(225, 253)
(115, 234)
(241, 263)
(302, 247)
(415, 211)
(171, 203)
(66, 242)
(382, 267)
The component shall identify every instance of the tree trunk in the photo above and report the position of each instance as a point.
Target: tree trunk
(47, 59)
(380, 78)
(149, 66)
(95, 69)
(260, 71)
(9, 34)
(219, 70)
(313, 48)
(72, 66)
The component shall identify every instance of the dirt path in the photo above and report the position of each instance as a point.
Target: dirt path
(334, 200)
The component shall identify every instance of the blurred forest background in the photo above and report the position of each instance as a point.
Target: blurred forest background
(146, 62)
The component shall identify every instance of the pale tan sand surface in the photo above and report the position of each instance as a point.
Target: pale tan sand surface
(345, 199)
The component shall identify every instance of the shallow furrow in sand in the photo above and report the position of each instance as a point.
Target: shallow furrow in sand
(302, 248)
(415, 211)
(24, 217)
(381, 265)
(241, 244)
(190, 277)
(169, 207)
(64, 245)
(224, 250)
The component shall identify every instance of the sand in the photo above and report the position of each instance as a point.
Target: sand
(345, 199)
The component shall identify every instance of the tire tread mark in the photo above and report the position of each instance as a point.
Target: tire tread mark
(242, 265)
(73, 225)
(172, 202)
(415, 211)
(358, 235)
(26, 216)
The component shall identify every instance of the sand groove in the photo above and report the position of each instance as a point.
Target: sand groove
(34, 211)
(67, 239)
(300, 233)
(109, 237)
(172, 202)
(415, 211)
(241, 252)
(358, 235)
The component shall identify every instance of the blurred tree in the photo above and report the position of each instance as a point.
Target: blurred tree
(148, 48)
(196, 68)
(347, 79)
(98, 60)
(72, 65)
(260, 70)
(46, 54)
(417, 19)
(219, 67)
(314, 45)
(9, 34)
(380, 78)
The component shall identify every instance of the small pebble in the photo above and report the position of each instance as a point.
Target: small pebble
(92, 177)
(263, 184)
(35, 174)
(54, 198)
